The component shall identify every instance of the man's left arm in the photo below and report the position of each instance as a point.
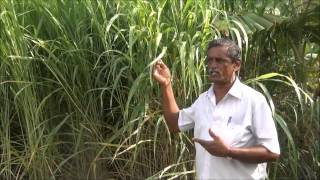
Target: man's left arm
(264, 130)
(254, 154)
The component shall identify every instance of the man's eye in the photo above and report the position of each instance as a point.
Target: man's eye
(219, 60)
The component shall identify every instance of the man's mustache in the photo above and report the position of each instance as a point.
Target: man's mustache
(211, 71)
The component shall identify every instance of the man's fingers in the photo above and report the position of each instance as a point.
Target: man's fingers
(155, 69)
(200, 141)
(161, 64)
(212, 134)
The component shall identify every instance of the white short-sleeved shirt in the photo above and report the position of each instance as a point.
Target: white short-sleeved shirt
(242, 119)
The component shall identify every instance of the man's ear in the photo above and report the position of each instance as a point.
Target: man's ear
(237, 65)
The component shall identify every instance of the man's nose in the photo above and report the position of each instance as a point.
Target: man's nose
(212, 64)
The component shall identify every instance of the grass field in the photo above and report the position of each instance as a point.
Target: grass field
(78, 100)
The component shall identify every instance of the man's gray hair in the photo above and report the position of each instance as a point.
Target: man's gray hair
(233, 51)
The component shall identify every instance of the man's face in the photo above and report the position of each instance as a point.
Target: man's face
(221, 68)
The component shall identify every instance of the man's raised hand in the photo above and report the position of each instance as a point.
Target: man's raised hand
(161, 73)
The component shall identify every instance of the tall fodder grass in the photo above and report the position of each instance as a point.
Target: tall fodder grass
(78, 100)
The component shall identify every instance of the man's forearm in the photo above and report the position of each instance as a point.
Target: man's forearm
(170, 108)
(256, 154)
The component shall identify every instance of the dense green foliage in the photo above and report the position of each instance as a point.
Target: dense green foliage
(78, 100)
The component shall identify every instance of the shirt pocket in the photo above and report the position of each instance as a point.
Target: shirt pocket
(237, 133)
(240, 131)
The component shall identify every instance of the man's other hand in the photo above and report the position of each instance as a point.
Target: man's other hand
(215, 147)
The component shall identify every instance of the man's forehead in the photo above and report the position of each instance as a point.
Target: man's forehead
(218, 51)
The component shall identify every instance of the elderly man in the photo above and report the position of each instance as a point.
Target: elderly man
(234, 132)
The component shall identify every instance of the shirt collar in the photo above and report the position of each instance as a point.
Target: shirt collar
(235, 90)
